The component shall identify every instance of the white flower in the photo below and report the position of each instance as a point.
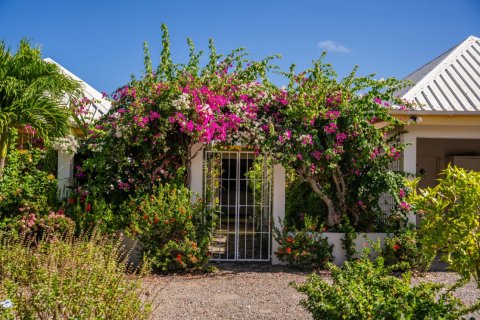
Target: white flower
(6, 304)
(67, 144)
(182, 103)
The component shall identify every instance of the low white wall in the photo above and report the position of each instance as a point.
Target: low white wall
(360, 241)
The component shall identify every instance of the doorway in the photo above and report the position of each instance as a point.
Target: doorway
(238, 188)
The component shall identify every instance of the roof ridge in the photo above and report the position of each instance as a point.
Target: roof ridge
(449, 57)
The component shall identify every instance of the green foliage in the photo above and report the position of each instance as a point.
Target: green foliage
(24, 187)
(404, 251)
(365, 290)
(310, 206)
(32, 92)
(70, 278)
(450, 220)
(303, 249)
(89, 210)
(175, 235)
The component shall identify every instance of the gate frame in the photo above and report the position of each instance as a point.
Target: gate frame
(237, 155)
(278, 194)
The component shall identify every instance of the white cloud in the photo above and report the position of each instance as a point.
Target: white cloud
(333, 46)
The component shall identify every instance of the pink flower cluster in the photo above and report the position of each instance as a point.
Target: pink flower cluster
(29, 129)
(28, 221)
(405, 206)
(208, 119)
(330, 128)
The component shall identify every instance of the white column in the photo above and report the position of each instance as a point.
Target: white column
(196, 179)
(410, 161)
(64, 173)
(278, 205)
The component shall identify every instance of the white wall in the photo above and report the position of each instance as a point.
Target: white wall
(361, 241)
(278, 200)
(431, 131)
(196, 179)
(64, 173)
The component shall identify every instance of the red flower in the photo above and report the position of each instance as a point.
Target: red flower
(288, 250)
(289, 239)
(396, 246)
(88, 207)
(71, 201)
(179, 258)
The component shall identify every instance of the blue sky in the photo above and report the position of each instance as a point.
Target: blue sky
(101, 41)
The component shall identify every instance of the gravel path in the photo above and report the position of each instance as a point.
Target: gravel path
(248, 292)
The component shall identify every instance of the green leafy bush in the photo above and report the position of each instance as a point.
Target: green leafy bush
(364, 289)
(175, 235)
(90, 210)
(24, 187)
(70, 278)
(311, 204)
(404, 251)
(450, 220)
(303, 249)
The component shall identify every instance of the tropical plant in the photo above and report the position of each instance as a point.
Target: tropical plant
(305, 248)
(364, 289)
(450, 220)
(404, 251)
(33, 92)
(25, 188)
(175, 235)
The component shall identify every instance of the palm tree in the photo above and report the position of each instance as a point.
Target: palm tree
(33, 92)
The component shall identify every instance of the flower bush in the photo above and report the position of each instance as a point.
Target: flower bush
(404, 251)
(148, 136)
(364, 289)
(81, 278)
(305, 248)
(55, 224)
(175, 235)
(335, 135)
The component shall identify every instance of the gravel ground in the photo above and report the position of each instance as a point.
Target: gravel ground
(248, 292)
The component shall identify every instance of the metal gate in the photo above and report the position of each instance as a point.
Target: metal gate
(238, 187)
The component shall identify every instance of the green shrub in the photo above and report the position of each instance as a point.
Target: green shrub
(91, 210)
(450, 220)
(175, 235)
(303, 249)
(404, 251)
(69, 278)
(24, 187)
(310, 206)
(364, 289)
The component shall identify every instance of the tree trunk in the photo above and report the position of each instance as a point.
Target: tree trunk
(333, 216)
